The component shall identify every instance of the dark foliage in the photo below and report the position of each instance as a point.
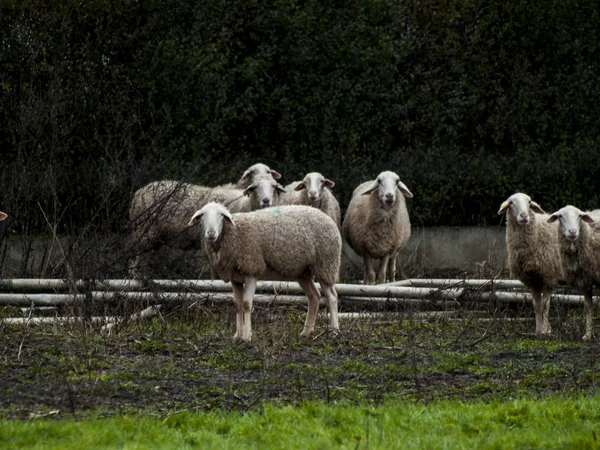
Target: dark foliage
(468, 101)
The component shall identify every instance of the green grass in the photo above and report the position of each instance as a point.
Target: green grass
(551, 422)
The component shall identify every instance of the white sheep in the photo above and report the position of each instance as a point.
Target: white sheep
(534, 255)
(3, 216)
(314, 190)
(377, 225)
(159, 211)
(579, 237)
(281, 243)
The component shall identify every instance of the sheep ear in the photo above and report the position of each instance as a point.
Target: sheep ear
(300, 187)
(280, 188)
(503, 208)
(553, 218)
(404, 190)
(373, 188)
(247, 174)
(195, 218)
(3, 215)
(249, 190)
(276, 175)
(227, 216)
(536, 208)
(330, 184)
(587, 218)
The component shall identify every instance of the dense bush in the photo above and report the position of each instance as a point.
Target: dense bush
(468, 101)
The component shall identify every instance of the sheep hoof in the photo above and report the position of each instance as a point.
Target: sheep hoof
(335, 332)
(586, 337)
(306, 332)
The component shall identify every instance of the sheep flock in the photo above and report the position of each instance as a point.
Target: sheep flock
(257, 229)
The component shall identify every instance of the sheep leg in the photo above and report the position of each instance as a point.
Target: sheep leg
(332, 299)
(249, 290)
(392, 268)
(383, 266)
(369, 270)
(545, 311)
(537, 309)
(588, 306)
(238, 298)
(313, 295)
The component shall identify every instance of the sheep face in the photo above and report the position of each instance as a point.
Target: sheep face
(264, 192)
(257, 170)
(212, 216)
(570, 219)
(386, 185)
(3, 216)
(314, 183)
(520, 206)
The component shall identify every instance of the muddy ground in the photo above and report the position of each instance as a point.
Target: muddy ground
(186, 360)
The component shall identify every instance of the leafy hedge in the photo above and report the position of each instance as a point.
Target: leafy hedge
(468, 101)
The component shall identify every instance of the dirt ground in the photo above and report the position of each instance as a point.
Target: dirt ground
(186, 360)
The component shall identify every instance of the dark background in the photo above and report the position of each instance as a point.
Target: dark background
(468, 101)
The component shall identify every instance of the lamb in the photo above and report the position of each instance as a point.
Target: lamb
(579, 237)
(534, 255)
(377, 224)
(3, 216)
(158, 212)
(314, 190)
(288, 242)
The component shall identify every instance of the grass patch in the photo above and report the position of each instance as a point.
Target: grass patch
(552, 422)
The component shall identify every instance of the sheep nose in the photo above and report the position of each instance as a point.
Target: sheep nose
(523, 215)
(312, 194)
(210, 234)
(389, 198)
(572, 233)
(266, 202)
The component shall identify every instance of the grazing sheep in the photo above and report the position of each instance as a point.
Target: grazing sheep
(314, 190)
(534, 255)
(377, 224)
(3, 215)
(579, 237)
(283, 243)
(158, 212)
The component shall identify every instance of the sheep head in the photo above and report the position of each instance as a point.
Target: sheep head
(264, 192)
(256, 170)
(314, 183)
(520, 206)
(212, 216)
(570, 218)
(386, 185)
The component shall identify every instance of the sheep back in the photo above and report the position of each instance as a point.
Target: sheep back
(284, 242)
(159, 210)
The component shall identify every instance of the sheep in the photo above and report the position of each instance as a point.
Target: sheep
(579, 237)
(158, 212)
(534, 255)
(314, 190)
(3, 216)
(377, 225)
(289, 242)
